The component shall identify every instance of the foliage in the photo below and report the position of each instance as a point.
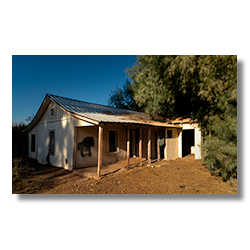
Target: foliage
(123, 98)
(202, 87)
(20, 168)
(167, 85)
(220, 147)
(30, 118)
(19, 140)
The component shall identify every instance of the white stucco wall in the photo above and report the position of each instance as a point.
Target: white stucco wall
(63, 126)
(81, 133)
(197, 143)
(180, 143)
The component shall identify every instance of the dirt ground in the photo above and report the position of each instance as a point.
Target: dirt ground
(180, 176)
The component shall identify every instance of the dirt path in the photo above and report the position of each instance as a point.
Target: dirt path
(181, 176)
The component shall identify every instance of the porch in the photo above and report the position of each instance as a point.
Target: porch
(116, 146)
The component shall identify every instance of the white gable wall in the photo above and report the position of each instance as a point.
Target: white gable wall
(62, 123)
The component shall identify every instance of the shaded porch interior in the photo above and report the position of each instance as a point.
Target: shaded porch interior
(115, 146)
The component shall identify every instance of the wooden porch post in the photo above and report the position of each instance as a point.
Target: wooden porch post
(75, 147)
(100, 144)
(140, 147)
(158, 146)
(149, 145)
(128, 147)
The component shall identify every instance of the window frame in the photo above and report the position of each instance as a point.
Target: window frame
(52, 109)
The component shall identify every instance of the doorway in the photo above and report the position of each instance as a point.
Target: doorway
(134, 140)
(187, 141)
(160, 135)
(162, 142)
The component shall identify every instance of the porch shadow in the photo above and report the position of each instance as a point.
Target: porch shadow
(91, 172)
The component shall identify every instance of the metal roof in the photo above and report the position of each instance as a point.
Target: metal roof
(93, 111)
(96, 114)
(105, 114)
(182, 120)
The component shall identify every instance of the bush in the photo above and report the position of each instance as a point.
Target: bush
(19, 140)
(20, 168)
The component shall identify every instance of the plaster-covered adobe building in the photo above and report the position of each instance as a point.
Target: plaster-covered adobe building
(69, 133)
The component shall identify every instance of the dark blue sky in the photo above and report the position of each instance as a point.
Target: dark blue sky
(87, 78)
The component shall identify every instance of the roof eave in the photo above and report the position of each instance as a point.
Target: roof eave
(39, 113)
(144, 124)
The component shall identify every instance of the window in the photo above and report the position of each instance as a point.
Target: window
(113, 140)
(170, 134)
(52, 142)
(33, 143)
(52, 111)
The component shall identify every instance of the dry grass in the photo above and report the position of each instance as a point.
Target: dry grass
(20, 169)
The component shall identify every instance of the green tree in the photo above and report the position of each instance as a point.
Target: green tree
(167, 85)
(19, 140)
(123, 98)
(219, 88)
(202, 87)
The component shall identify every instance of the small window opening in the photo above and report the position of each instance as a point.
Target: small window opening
(170, 134)
(113, 141)
(52, 112)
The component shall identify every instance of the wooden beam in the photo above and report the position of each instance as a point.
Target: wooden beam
(100, 145)
(128, 147)
(75, 147)
(140, 147)
(149, 145)
(158, 146)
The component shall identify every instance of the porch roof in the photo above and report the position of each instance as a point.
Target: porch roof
(182, 120)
